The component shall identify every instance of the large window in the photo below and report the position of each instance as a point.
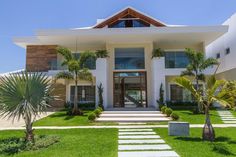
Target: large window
(178, 94)
(176, 60)
(129, 58)
(130, 22)
(90, 63)
(86, 94)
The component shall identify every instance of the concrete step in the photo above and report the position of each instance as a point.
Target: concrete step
(139, 137)
(148, 154)
(131, 112)
(132, 123)
(144, 147)
(146, 141)
(132, 115)
(134, 130)
(137, 133)
(132, 119)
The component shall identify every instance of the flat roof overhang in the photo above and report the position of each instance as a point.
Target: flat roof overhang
(99, 37)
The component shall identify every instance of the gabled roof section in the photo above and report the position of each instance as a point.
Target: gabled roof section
(129, 11)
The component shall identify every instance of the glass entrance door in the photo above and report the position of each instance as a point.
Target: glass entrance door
(130, 89)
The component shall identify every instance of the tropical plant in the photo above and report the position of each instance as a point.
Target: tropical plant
(174, 116)
(168, 111)
(101, 54)
(161, 97)
(217, 91)
(25, 95)
(157, 53)
(76, 71)
(100, 97)
(197, 64)
(92, 116)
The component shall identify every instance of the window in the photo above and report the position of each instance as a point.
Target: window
(90, 63)
(129, 58)
(86, 94)
(227, 51)
(129, 22)
(176, 60)
(217, 55)
(179, 94)
(53, 64)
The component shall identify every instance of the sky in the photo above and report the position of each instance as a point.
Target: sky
(22, 17)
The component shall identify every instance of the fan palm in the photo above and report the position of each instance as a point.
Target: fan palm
(197, 64)
(76, 71)
(24, 95)
(217, 91)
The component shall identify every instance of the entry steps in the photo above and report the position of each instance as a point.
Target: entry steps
(132, 116)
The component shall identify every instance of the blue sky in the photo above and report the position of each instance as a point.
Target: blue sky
(23, 17)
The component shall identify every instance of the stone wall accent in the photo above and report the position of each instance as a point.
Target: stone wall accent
(38, 57)
(60, 95)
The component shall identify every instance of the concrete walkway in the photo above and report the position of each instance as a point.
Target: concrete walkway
(141, 142)
(115, 126)
(226, 116)
(8, 122)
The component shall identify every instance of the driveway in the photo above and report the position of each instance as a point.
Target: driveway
(8, 123)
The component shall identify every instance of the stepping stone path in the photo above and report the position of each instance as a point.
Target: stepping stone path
(227, 117)
(135, 142)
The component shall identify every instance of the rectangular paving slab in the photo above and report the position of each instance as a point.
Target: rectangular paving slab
(148, 154)
(140, 141)
(137, 123)
(139, 137)
(230, 122)
(144, 147)
(137, 133)
(126, 130)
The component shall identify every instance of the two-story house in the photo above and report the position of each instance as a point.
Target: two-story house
(130, 76)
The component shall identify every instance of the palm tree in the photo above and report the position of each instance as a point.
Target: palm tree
(24, 95)
(217, 91)
(197, 64)
(76, 71)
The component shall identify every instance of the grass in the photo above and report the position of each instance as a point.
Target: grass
(188, 116)
(60, 118)
(193, 146)
(73, 142)
(234, 113)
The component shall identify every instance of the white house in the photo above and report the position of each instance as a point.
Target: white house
(130, 77)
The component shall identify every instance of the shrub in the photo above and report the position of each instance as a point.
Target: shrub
(92, 116)
(99, 108)
(157, 53)
(163, 109)
(174, 116)
(97, 112)
(168, 112)
(101, 54)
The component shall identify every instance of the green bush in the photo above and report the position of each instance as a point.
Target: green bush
(92, 116)
(99, 108)
(97, 112)
(163, 109)
(174, 116)
(15, 145)
(168, 112)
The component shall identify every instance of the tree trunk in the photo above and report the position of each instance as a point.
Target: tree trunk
(208, 133)
(76, 110)
(29, 135)
(199, 106)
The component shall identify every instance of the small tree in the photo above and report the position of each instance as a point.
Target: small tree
(100, 97)
(197, 64)
(217, 91)
(101, 54)
(157, 53)
(161, 97)
(77, 71)
(25, 95)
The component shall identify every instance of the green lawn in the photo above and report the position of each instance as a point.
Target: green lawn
(60, 118)
(73, 143)
(188, 116)
(193, 146)
(234, 113)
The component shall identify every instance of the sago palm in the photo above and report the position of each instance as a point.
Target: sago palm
(197, 64)
(76, 71)
(216, 91)
(24, 95)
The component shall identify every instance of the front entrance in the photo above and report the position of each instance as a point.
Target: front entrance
(130, 89)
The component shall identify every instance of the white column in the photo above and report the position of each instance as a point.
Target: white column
(158, 77)
(102, 77)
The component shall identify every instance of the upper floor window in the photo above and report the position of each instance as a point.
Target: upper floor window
(217, 55)
(129, 22)
(227, 51)
(176, 60)
(53, 64)
(90, 63)
(129, 58)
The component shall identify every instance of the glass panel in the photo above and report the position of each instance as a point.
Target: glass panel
(176, 60)
(176, 93)
(86, 94)
(90, 63)
(53, 64)
(119, 24)
(129, 58)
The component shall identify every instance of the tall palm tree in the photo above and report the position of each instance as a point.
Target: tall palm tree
(217, 91)
(197, 64)
(24, 95)
(76, 71)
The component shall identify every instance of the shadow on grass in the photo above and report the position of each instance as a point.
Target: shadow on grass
(221, 148)
(198, 139)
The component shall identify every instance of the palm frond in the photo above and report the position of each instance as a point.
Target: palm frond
(85, 74)
(208, 62)
(64, 75)
(66, 53)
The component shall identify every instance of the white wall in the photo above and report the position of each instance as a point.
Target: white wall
(220, 45)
